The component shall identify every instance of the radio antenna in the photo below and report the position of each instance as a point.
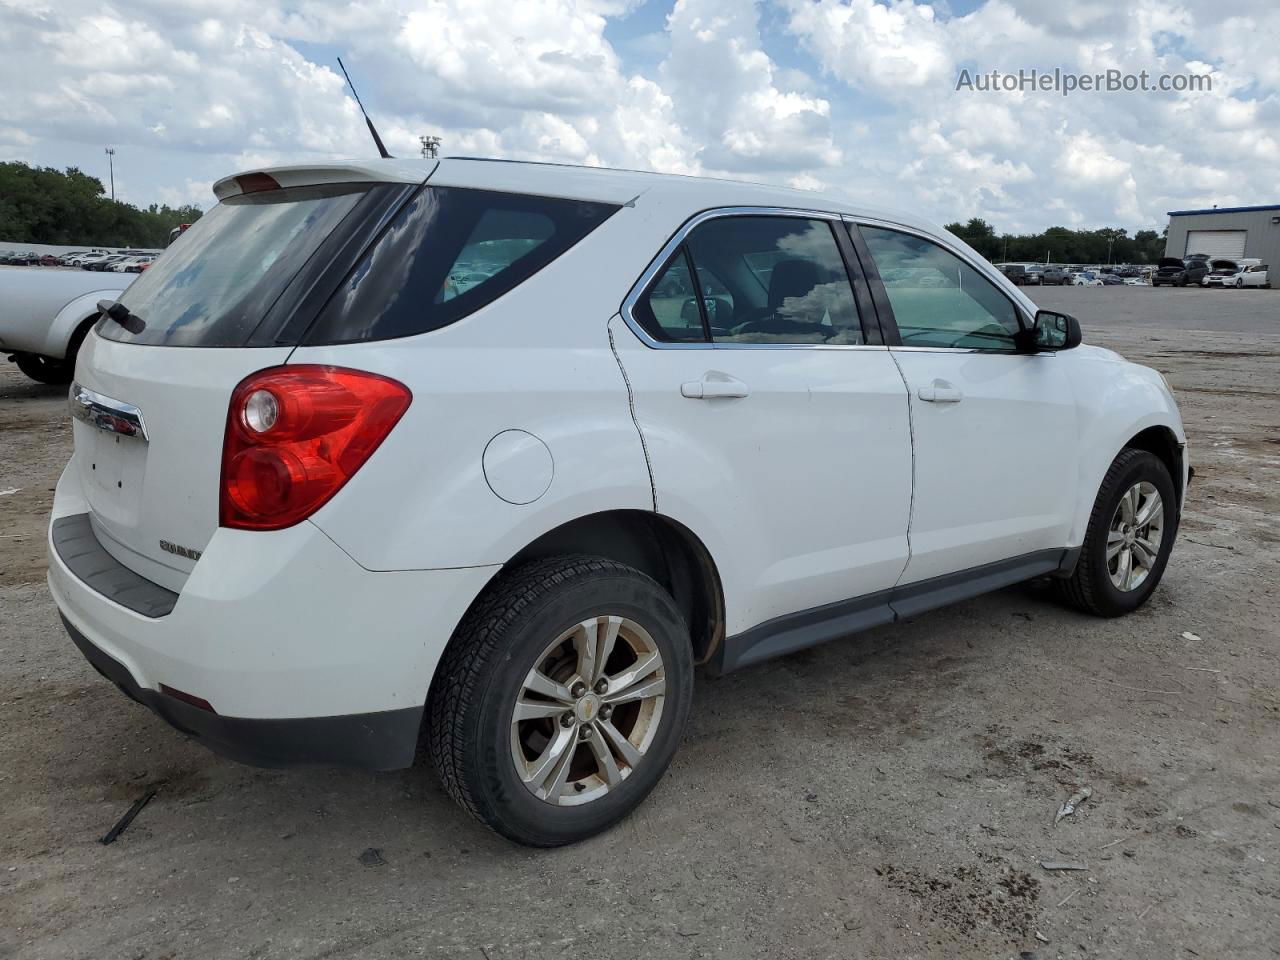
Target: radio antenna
(382, 151)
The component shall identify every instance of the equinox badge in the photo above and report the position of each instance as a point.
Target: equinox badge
(179, 550)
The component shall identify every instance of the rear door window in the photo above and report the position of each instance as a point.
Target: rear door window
(448, 253)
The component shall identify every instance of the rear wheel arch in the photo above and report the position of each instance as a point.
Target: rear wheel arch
(657, 546)
(78, 336)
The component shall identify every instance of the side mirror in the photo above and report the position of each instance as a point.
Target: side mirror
(1054, 331)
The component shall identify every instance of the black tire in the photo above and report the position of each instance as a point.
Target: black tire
(1090, 587)
(484, 667)
(44, 369)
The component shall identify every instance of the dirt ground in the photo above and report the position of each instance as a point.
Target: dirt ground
(891, 795)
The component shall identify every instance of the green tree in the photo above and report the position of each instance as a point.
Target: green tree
(69, 207)
(1061, 244)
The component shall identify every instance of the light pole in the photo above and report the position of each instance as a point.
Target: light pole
(1110, 241)
(111, 165)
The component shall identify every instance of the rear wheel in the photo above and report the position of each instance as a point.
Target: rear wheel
(1130, 534)
(561, 699)
(44, 369)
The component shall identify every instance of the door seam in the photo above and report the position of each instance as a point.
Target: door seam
(631, 404)
(911, 432)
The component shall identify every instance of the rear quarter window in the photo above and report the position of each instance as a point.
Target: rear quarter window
(448, 253)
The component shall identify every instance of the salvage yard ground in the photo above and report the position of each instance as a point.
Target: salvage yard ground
(891, 795)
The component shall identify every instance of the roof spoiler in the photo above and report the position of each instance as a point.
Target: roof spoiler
(306, 175)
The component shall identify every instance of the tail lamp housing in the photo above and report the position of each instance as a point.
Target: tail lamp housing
(295, 435)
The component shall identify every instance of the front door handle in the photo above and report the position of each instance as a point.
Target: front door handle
(706, 389)
(940, 391)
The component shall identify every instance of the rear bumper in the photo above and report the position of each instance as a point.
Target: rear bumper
(373, 741)
(306, 657)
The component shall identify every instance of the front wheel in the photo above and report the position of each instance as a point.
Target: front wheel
(560, 701)
(1129, 538)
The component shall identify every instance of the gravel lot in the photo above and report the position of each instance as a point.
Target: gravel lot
(890, 795)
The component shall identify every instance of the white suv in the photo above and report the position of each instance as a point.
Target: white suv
(325, 493)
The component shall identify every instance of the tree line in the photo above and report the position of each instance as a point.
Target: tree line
(1061, 245)
(69, 207)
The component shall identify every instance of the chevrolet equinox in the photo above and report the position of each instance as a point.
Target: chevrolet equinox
(499, 452)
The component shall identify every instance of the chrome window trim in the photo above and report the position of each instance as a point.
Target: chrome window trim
(105, 413)
(677, 238)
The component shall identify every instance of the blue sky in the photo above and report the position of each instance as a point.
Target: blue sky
(854, 97)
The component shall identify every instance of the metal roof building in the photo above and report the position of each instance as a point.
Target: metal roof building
(1227, 232)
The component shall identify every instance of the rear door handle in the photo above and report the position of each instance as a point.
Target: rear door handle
(940, 391)
(705, 389)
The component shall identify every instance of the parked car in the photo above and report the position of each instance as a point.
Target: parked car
(1112, 280)
(364, 500)
(1086, 278)
(84, 260)
(1179, 273)
(28, 259)
(48, 260)
(1135, 282)
(1057, 276)
(1252, 275)
(1020, 274)
(129, 264)
(46, 316)
(104, 263)
(1222, 272)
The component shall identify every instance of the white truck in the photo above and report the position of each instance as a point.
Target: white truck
(46, 313)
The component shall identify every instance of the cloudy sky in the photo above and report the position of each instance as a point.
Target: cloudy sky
(852, 96)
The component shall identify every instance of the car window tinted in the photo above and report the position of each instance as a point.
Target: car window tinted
(774, 280)
(668, 311)
(448, 253)
(938, 300)
(216, 283)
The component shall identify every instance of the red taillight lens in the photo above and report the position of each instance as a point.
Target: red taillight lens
(295, 435)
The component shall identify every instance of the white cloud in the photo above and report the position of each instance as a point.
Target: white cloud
(855, 96)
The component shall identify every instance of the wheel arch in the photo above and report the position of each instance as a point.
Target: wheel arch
(74, 317)
(1161, 441)
(656, 545)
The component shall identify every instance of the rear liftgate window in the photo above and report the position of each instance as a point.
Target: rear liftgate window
(218, 281)
(448, 253)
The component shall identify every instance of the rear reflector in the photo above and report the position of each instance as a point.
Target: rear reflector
(190, 698)
(295, 435)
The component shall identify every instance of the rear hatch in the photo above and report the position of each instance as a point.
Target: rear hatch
(1169, 265)
(232, 295)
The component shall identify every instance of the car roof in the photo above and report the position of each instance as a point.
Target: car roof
(601, 184)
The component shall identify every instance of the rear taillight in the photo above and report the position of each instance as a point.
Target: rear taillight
(295, 435)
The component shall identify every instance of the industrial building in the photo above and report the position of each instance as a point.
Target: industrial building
(1227, 232)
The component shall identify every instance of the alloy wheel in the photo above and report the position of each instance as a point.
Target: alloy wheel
(1134, 536)
(588, 710)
